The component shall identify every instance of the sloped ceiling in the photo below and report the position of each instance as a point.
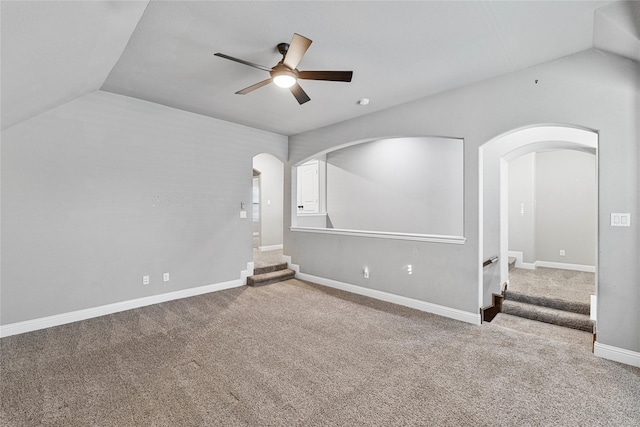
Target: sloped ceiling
(53, 52)
(617, 29)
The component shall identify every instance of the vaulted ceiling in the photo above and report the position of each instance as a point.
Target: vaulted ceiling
(162, 51)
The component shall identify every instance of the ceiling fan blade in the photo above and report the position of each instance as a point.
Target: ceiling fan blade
(251, 88)
(297, 48)
(251, 64)
(300, 94)
(334, 76)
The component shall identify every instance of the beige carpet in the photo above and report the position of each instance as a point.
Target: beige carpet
(568, 285)
(295, 354)
(581, 340)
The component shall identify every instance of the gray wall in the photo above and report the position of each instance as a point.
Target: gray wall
(558, 189)
(271, 198)
(105, 189)
(592, 89)
(566, 207)
(406, 185)
(522, 212)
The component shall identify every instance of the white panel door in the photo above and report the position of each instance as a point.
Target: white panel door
(308, 187)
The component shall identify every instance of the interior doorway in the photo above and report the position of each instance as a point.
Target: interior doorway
(494, 157)
(267, 209)
(551, 235)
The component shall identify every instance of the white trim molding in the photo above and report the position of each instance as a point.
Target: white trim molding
(519, 256)
(292, 266)
(617, 354)
(565, 266)
(88, 313)
(246, 273)
(452, 313)
(549, 264)
(270, 247)
(457, 240)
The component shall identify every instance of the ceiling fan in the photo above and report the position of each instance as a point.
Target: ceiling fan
(285, 74)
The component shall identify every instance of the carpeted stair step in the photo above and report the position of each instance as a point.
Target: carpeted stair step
(558, 304)
(581, 339)
(512, 262)
(270, 268)
(270, 277)
(567, 319)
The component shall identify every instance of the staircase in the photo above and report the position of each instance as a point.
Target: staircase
(568, 314)
(270, 274)
(549, 303)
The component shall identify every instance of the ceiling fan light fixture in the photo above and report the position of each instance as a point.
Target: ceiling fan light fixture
(286, 74)
(284, 79)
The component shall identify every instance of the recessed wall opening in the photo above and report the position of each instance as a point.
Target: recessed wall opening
(405, 188)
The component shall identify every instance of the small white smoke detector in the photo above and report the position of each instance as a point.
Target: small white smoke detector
(363, 101)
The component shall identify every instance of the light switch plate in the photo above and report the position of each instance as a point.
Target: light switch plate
(243, 214)
(621, 220)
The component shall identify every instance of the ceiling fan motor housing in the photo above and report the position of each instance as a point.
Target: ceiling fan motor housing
(283, 48)
(280, 69)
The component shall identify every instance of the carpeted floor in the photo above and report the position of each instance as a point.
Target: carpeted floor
(565, 285)
(581, 340)
(298, 354)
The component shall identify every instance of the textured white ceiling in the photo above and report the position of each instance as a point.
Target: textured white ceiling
(399, 51)
(53, 52)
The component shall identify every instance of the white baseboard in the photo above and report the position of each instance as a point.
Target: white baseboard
(548, 264)
(246, 273)
(519, 260)
(270, 248)
(565, 266)
(617, 354)
(428, 307)
(74, 316)
(293, 267)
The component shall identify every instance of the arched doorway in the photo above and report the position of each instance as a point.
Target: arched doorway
(494, 158)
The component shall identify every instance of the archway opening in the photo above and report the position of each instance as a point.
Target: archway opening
(560, 151)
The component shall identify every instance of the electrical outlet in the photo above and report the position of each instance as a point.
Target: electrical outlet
(165, 277)
(366, 272)
(562, 252)
(145, 280)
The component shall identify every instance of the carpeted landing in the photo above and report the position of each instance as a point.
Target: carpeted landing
(298, 354)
